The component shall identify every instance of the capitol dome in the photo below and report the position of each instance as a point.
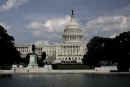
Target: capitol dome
(73, 24)
(72, 31)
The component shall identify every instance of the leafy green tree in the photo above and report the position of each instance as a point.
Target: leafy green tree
(8, 53)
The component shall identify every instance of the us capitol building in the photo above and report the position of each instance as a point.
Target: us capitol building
(70, 51)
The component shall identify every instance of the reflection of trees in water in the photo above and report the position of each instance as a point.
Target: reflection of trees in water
(5, 75)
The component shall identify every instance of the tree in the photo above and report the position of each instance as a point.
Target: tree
(8, 53)
(26, 60)
(84, 60)
(116, 50)
(43, 57)
(123, 51)
(95, 51)
(98, 50)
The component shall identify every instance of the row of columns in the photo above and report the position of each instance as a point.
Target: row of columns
(71, 38)
(24, 50)
(70, 50)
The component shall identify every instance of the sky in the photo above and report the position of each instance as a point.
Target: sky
(33, 20)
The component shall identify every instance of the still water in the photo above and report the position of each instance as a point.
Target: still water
(65, 80)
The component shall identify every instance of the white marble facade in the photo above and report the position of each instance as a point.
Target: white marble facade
(70, 51)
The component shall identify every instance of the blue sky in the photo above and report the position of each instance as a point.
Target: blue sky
(32, 20)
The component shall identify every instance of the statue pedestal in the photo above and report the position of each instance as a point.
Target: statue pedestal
(33, 61)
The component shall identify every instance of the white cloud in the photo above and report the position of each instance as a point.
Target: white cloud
(57, 24)
(12, 4)
(36, 33)
(113, 36)
(50, 25)
(36, 25)
(108, 25)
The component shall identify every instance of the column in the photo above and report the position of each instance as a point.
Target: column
(72, 50)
